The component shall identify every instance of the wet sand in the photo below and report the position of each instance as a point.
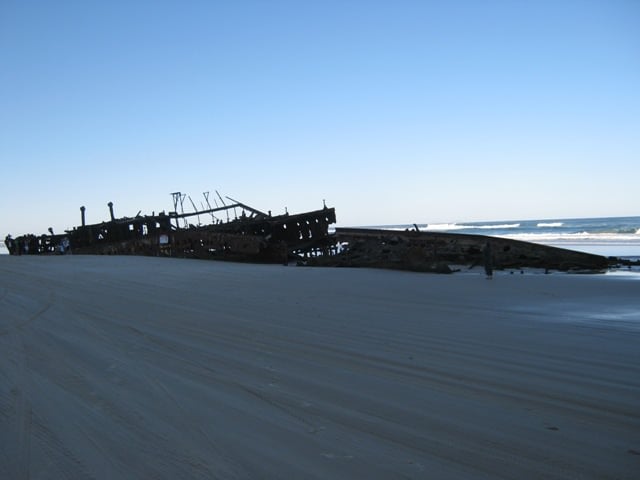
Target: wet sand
(131, 368)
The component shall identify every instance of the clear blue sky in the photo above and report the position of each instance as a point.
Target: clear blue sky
(394, 112)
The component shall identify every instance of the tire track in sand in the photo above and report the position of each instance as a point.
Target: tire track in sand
(21, 405)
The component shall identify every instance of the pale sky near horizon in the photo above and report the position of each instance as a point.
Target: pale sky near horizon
(393, 112)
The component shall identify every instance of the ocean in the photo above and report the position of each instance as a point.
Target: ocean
(608, 236)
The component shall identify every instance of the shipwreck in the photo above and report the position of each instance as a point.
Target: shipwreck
(235, 231)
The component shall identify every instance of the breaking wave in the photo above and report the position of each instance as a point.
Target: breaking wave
(632, 231)
(455, 226)
(441, 227)
(573, 237)
(550, 225)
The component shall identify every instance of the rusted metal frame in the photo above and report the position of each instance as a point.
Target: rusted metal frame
(371, 247)
(220, 243)
(175, 215)
(258, 236)
(248, 208)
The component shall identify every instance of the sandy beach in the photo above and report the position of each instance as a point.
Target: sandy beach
(149, 368)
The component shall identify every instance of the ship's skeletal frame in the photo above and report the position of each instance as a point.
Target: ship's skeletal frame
(239, 232)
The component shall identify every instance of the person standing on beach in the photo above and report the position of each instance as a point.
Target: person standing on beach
(488, 261)
(65, 246)
(8, 241)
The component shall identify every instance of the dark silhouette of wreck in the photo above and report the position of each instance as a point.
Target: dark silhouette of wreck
(238, 232)
(441, 252)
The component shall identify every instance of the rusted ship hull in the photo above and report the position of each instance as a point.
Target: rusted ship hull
(249, 236)
(444, 252)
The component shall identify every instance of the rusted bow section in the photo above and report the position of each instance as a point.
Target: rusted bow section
(444, 252)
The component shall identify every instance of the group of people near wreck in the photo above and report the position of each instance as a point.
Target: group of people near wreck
(31, 245)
